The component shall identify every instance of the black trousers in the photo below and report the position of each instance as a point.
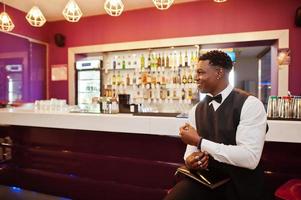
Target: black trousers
(188, 189)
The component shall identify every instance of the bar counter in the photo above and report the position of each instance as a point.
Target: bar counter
(91, 156)
(126, 123)
(279, 130)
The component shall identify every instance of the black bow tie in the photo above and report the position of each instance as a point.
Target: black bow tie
(217, 98)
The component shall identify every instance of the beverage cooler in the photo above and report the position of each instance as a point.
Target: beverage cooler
(11, 82)
(89, 80)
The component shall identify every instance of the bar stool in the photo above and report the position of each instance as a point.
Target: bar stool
(291, 190)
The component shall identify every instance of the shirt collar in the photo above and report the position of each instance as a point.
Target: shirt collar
(225, 93)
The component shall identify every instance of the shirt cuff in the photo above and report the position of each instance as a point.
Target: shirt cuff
(208, 146)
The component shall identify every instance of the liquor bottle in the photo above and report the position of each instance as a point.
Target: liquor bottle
(140, 80)
(174, 78)
(190, 78)
(183, 94)
(163, 61)
(186, 59)
(168, 93)
(159, 64)
(179, 80)
(114, 93)
(134, 79)
(180, 60)
(171, 60)
(175, 61)
(192, 59)
(163, 79)
(167, 61)
(153, 61)
(190, 93)
(119, 78)
(154, 78)
(161, 94)
(114, 79)
(106, 93)
(129, 61)
(184, 78)
(110, 93)
(149, 62)
(128, 80)
(123, 62)
(174, 93)
(134, 61)
(142, 62)
(114, 63)
(144, 78)
(159, 75)
(149, 77)
(118, 62)
(196, 59)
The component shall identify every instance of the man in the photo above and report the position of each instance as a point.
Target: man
(226, 133)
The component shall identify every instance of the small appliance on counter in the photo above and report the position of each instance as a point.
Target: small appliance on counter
(124, 104)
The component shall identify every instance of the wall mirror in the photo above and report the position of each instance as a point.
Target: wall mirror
(22, 69)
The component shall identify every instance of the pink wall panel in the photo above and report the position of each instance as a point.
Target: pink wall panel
(182, 20)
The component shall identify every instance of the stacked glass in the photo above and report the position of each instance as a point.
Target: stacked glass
(286, 107)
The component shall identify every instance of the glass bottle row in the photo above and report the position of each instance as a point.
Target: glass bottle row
(155, 93)
(155, 60)
(148, 77)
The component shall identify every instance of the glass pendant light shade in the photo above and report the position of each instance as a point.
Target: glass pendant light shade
(6, 24)
(72, 12)
(219, 1)
(35, 17)
(163, 4)
(114, 7)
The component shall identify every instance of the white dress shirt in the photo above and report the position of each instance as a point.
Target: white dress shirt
(250, 135)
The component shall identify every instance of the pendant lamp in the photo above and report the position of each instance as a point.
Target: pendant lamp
(163, 4)
(219, 1)
(35, 17)
(114, 7)
(72, 12)
(6, 24)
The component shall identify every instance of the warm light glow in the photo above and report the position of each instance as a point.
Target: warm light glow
(72, 12)
(232, 78)
(114, 7)
(163, 4)
(6, 24)
(219, 1)
(35, 17)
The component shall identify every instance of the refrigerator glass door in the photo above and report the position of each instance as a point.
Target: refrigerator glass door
(88, 87)
(14, 87)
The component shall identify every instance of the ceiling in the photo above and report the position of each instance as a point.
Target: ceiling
(52, 9)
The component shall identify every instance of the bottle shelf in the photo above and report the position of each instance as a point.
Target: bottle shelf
(156, 76)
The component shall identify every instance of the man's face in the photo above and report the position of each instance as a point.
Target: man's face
(206, 76)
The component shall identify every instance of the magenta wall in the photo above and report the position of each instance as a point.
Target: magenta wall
(189, 19)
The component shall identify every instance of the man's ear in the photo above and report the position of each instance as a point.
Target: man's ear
(220, 73)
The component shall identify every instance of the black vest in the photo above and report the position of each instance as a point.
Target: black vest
(220, 126)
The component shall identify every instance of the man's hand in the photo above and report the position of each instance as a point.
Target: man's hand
(197, 160)
(189, 135)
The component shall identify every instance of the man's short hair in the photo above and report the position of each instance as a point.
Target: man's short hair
(218, 58)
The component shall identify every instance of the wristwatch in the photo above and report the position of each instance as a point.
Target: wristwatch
(200, 143)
